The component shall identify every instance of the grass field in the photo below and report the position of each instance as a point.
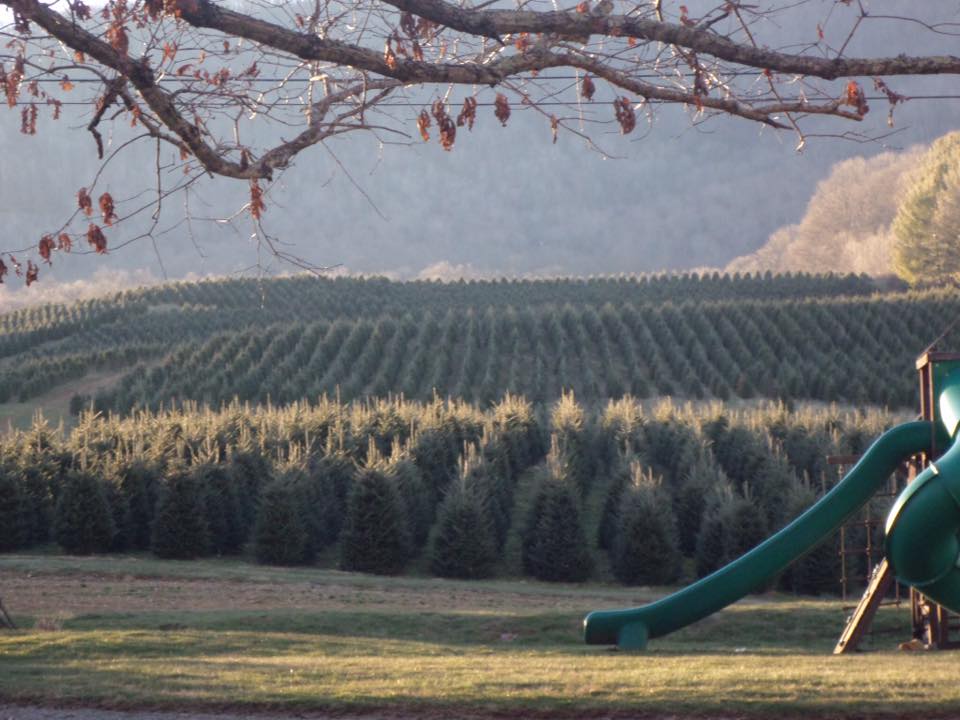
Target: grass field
(136, 632)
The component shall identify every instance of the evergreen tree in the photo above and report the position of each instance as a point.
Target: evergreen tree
(39, 481)
(709, 555)
(14, 528)
(138, 482)
(610, 513)
(83, 521)
(413, 493)
(375, 536)
(180, 529)
(463, 545)
(745, 526)
(646, 547)
(732, 525)
(222, 511)
(334, 471)
(690, 498)
(571, 435)
(926, 226)
(554, 545)
(280, 536)
(312, 500)
(118, 510)
(495, 481)
(817, 572)
(250, 471)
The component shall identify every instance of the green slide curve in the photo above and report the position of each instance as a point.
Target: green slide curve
(632, 628)
(922, 529)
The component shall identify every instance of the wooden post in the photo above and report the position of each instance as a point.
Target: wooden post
(5, 618)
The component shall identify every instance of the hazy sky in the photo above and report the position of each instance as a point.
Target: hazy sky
(506, 200)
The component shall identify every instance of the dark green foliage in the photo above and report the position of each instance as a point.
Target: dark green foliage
(709, 555)
(280, 535)
(495, 482)
(250, 470)
(690, 499)
(221, 509)
(14, 528)
(118, 510)
(817, 572)
(415, 498)
(435, 452)
(774, 481)
(554, 542)
(646, 547)
(313, 501)
(732, 525)
(39, 481)
(375, 535)
(180, 529)
(334, 471)
(610, 514)
(740, 451)
(669, 448)
(138, 483)
(587, 336)
(83, 521)
(463, 545)
(744, 528)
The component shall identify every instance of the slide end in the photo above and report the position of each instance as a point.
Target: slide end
(617, 627)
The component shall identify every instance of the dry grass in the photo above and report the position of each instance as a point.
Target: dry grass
(197, 635)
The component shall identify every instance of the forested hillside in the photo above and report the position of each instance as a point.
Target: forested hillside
(465, 429)
(789, 337)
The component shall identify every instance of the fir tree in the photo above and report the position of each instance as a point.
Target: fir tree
(138, 483)
(745, 526)
(221, 509)
(818, 571)
(180, 528)
(335, 471)
(280, 537)
(14, 528)
(83, 522)
(375, 536)
(690, 498)
(610, 513)
(463, 545)
(554, 545)
(250, 470)
(413, 493)
(646, 548)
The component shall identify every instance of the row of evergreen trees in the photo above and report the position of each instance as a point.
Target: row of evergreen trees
(723, 350)
(652, 496)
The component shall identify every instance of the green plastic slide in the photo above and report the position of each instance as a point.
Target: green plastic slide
(922, 529)
(632, 628)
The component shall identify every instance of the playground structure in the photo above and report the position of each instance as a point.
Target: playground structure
(921, 545)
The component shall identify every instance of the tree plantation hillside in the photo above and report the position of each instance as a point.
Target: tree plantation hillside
(647, 494)
(717, 336)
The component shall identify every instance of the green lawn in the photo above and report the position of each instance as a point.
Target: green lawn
(362, 643)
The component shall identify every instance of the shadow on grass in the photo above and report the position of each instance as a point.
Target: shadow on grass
(785, 628)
